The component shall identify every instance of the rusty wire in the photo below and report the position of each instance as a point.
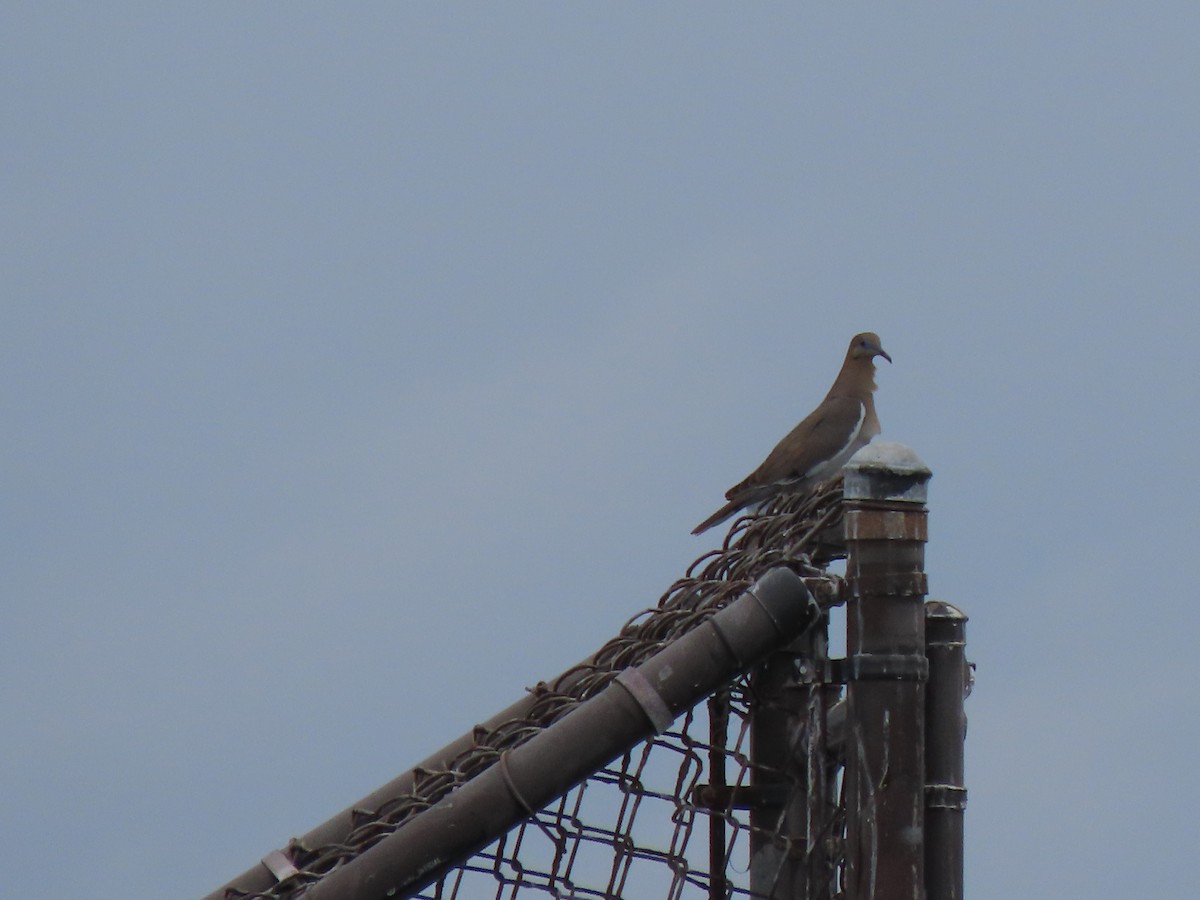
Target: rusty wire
(800, 531)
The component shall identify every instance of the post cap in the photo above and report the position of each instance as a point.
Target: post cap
(885, 470)
(940, 609)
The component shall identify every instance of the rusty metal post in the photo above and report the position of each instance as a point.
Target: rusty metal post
(790, 798)
(945, 732)
(820, 766)
(885, 492)
(718, 737)
(776, 798)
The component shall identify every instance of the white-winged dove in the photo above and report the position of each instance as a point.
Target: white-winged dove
(818, 447)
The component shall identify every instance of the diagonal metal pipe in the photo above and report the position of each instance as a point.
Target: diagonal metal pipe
(643, 701)
(275, 865)
(779, 593)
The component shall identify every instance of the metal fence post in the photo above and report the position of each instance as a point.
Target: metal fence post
(718, 736)
(778, 806)
(885, 492)
(945, 731)
(820, 767)
(790, 796)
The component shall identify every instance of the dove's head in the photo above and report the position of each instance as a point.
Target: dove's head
(866, 346)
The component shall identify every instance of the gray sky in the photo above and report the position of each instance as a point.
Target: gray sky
(362, 366)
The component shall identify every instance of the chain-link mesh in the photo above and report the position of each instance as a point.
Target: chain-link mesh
(678, 815)
(647, 827)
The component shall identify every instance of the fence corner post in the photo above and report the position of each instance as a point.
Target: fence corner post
(886, 486)
(945, 732)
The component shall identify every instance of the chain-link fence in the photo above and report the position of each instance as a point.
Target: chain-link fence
(669, 819)
(740, 796)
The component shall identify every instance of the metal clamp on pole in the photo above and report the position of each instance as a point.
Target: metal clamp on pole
(945, 796)
(886, 667)
(650, 700)
(279, 864)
